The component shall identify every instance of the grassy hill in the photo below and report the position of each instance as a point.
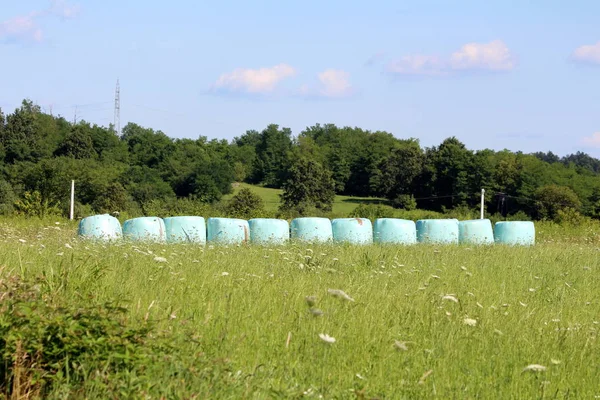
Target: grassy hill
(342, 205)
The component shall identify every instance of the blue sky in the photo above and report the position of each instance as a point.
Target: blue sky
(522, 75)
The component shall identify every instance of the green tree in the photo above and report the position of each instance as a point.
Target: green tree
(309, 185)
(553, 198)
(272, 156)
(245, 204)
(400, 169)
(78, 144)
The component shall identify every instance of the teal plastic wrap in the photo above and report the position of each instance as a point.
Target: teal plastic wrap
(515, 233)
(476, 231)
(269, 231)
(144, 229)
(185, 230)
(352, 230)
(437, 231)
(228, 230)
(100, 227)
(394, 231)
(314, 230)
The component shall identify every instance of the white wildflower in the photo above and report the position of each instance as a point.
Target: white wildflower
(339, 293)
(160, 259)
(22, 240)
(534, 368)
(435, 277)
(68, 246)
(224, 273)
(470, 321)
(555, 361)
(449, 297)
(359, 376)
(400, 345)
(172, 316)
(326, 338)
(531, 289)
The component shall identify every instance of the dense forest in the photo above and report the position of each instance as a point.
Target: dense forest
(41, 153)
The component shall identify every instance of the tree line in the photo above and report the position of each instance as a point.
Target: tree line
(40, 154)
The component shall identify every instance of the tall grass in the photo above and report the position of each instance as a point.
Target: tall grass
(426, 321)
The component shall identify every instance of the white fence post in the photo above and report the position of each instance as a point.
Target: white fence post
(72, 200)
(482, 202)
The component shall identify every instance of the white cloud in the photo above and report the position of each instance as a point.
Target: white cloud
(335, 83)
(27, 27)
(417, 64)
(588, 53)
(592, 141)
(492, 56)
(63, 9)
(256, 81)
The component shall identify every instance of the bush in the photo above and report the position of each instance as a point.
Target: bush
(7, 198)
(175, 207)
(245, 204)
(32, 205)
(41, 344)
(405, 201)
(372, 211)
(552, 198)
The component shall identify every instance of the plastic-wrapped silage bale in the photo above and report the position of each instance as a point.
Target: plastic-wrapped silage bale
(150, 229)
(228, 230)
(476, 231)
(185, 229)
(100, 227)
(312, 229)
(269, 231)
(515, 233)
(437, 231)
(394, 231)
(352, 230)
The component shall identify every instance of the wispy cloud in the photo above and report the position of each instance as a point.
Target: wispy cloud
(335, 83)
(592, 141)
(254, 81)
(492, 56)
(27, 28)
(589, 53)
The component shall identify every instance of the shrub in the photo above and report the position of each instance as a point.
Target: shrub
(372, 211)
(245, 204)
(405, 201)
(41, 344)
(32, 205)
(552, 198)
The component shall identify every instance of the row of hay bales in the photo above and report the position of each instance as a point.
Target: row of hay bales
(279, 231)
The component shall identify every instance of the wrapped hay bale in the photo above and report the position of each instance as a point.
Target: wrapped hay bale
(515, 233)
(228, 230)
(395, 231)
(150, 229)
(100, 227)
(269, 231)
(437, 231)
(311, 229)
(476, 231)
(185, 229)
(352, 230)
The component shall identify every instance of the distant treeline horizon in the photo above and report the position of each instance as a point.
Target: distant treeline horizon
(41, 153)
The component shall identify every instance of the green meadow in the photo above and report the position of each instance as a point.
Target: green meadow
(133, 320)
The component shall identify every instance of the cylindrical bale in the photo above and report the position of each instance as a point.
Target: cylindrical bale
(228, 230)
(515, 233)
(309, 229)
(394, 231)
(269, 231)
(476, 231)
(185, 230)
(101, 227)
(437, 231)
(150, 229)
(352, 230)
